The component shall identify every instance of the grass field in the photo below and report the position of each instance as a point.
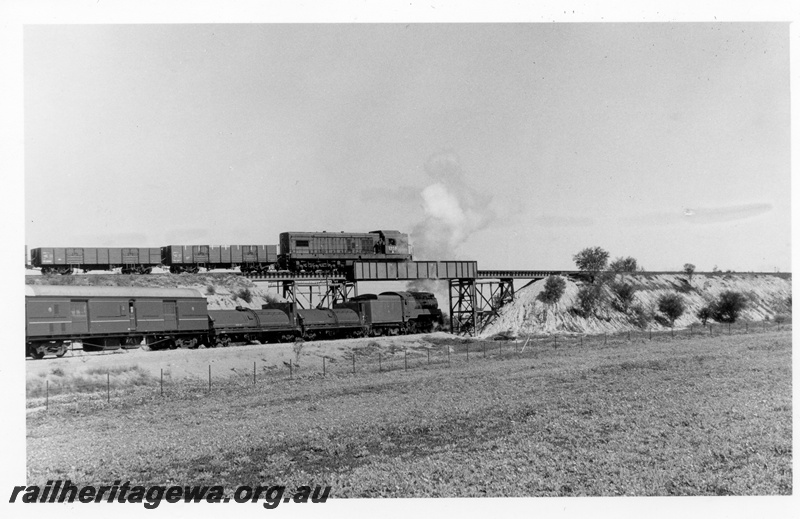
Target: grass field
(683, 416)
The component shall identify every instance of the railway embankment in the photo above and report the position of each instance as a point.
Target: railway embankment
(221, 290)
(768, 298)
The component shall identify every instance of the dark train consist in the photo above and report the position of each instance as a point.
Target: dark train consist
(103, 318)
(300, 252)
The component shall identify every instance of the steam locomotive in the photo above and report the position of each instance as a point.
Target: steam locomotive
(102, 318)
(300, 252)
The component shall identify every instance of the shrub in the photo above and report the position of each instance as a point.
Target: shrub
(587, 301)
(624, 296)
(683, 286)
(672, 306)
(245, 294)
(591, 260)
(729, 306)
(553, 290)
(641, 316)
(210, 290)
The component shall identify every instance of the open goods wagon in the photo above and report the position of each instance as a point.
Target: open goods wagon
(64, 260)
(191, 258)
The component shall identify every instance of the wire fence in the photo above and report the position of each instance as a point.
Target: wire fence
(440, 353)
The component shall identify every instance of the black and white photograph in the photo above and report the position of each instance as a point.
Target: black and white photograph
(389, 260)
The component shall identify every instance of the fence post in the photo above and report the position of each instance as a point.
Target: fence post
(380, 365)
(467, 352)
(651, 334)
(501, 349)
(711, 329)
(47, 395)
(254, 373)
(629, 336)
(555, 341)
(405, 359)
(354, 363)
(162, 381)
(729, 328)
(291, 373)
(581, 340)
(209, 378)
(484, 350)
(323, 364)
(429, 355)
(108, 387)
(605, 339)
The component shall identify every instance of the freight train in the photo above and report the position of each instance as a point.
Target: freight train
(103, 318)
(300, 252)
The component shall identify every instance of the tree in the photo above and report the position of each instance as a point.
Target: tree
(591, 260)
(728, 306)
(706, 312)
(672, 306)
(552, 292)
(689, 269)
(622, 265)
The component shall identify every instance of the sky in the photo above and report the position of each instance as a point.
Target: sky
(514, 144)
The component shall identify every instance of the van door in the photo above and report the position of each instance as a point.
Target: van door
(80, 316)
(170, 316)
(132, 315)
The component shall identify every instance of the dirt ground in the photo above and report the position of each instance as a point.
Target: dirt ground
(181, 364)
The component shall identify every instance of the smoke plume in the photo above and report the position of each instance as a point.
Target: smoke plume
(452, 211)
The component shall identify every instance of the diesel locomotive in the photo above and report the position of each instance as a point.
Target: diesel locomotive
(300, 252)
(101, 318)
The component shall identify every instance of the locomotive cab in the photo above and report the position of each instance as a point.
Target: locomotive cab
(391, 243)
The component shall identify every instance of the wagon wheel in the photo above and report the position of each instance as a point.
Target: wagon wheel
(33, 351)
(172, 344)
(61, 350)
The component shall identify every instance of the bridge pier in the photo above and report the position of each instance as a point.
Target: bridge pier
(463, 308)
